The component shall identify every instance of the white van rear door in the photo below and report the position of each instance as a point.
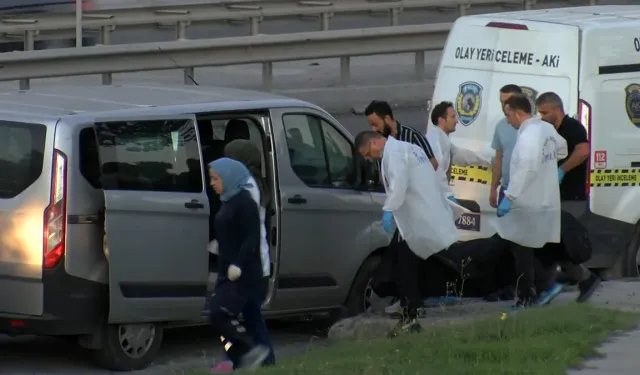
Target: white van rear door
(25, 170)
(611, 96)
(539, 57)
(157, 218)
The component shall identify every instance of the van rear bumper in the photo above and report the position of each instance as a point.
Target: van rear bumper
(72, 306)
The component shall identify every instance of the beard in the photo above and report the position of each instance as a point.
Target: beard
(386, 131)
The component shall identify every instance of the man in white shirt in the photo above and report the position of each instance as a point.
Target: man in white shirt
(529, 212)
(443, 116)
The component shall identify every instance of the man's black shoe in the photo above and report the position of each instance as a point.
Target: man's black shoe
(587, 287)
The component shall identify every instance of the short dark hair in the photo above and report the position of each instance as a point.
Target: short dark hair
(550, 98)
(380, 108)
(440, 111)
(511, 89)
(364, 138)
(519, 102)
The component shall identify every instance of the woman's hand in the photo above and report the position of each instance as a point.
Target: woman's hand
(234, 272)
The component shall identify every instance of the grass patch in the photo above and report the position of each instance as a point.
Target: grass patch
(543, 341)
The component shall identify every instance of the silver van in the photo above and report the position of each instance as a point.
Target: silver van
(105, 209)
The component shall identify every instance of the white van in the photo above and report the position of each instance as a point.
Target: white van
(590, 56)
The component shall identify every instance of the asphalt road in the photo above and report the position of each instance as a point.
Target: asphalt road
(183, 350)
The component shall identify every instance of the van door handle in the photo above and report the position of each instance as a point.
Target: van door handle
(194, 204)
(297, 199)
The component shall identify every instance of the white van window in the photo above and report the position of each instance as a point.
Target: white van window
(156, 155)
(320, 156)
(21, 156)
(89, 157)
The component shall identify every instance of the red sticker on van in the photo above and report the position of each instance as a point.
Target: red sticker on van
(600, 159)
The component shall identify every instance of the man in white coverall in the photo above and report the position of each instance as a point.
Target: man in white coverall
(415, 202)
(529, 213)
(443, 116)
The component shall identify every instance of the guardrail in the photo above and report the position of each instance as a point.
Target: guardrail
(51, 26)
(189, 54)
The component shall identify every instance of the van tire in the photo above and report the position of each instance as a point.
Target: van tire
(112, 357)
(630, 256)
(627, 264)
(355, 303)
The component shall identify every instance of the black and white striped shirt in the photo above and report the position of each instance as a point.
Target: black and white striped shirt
(410, 135)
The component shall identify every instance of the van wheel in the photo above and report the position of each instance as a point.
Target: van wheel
(359, 299)
(631, 258)
(628, 262)
(128, 347)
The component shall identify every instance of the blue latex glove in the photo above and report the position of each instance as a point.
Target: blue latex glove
(504, 207)
(560, 174)
(452, 199)
(387, 221)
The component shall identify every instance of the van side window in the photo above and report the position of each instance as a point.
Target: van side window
(320, 156)
(339, 154)
(89, 157)
(22, 151)
(150, 155)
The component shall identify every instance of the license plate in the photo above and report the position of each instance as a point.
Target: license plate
(469, 222)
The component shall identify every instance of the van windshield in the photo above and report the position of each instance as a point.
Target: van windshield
(21, 156)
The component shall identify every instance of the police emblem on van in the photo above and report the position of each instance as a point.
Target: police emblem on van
(632, 102)
(531, 94)
(469, 102)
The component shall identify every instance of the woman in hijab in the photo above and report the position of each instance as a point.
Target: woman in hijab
(248, 153)
(240, 273)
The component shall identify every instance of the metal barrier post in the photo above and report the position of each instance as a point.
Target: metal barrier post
(394, 16)
(29, 40)
(181, 34)
(528, 4)
(105, 39)
(324, 21)
(345, 70)
(254, 26)
(462, 9)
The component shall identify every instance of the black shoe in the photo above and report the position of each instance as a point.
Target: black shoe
(587, 287)
(405, 326)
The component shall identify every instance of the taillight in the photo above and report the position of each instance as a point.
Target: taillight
(55, 215)
(507, 25)
(584, 116)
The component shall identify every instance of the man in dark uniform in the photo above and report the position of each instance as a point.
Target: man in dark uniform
(406, 263)
(572, 174)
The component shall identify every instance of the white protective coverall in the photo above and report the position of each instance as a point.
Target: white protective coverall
(421, 212)
(446, 152)
(534, 218)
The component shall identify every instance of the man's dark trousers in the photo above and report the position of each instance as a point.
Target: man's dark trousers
(406, 270)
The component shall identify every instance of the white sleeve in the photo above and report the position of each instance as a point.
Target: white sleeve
(444, 183)
(436, 147)
(434, 142)
(562, 151)
(525, 164)
(462, 156)
(396, 172)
